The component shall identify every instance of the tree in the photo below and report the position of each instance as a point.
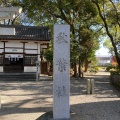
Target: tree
(49, 55)
(107, 44)
(110, 16)
(78, 14)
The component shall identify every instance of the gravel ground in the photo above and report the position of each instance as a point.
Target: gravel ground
(29, 100)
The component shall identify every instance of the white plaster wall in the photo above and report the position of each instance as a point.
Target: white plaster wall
(1, 45)
(1, 50)
(31, 51)
(31, 45)
(1, 68)
(15, 50)
(30, 69)
(14, 43)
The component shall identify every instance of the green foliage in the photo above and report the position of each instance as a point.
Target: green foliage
(108, 68)
(111, 68)
(94, 69)
(107, 44)
(94, 61)
(117, 69)
(110, 22)
(49, 55)
(79, 14)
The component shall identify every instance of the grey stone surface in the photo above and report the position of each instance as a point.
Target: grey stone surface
(92, 86)
(88, 87)
(29, 100)
(61, 72)
(49, 116)
(1, 68)
(46, 116)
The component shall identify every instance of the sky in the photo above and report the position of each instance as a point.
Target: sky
(102, 52)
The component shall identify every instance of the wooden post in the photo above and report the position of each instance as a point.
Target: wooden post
(37, 70)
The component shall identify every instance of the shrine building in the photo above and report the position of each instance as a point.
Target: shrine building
(20, 47)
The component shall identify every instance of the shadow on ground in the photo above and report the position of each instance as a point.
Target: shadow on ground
(35, 97)
(107, 110)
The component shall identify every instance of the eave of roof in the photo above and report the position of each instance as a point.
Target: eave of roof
(37, 33)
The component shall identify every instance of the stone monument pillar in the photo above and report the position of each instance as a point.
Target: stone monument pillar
(61, 72)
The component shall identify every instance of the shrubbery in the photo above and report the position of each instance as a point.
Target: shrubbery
(112, 68)
(115, 76)
(94, 69)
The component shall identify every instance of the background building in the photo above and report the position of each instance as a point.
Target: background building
(103, 60)
(20, 47)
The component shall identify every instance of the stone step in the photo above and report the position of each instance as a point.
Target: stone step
(17, 76)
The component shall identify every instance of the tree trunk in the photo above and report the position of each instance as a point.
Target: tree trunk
(86, 65)
(79, 69)
(75, 70)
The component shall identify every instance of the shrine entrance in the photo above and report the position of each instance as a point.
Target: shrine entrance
(13, 63)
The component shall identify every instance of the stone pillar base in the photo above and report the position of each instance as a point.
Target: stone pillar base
(49, 116)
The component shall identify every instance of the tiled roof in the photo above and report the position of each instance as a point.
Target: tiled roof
(27, 33)
(103, 58)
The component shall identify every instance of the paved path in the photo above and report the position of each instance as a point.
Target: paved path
(29, 100)
(103, 105)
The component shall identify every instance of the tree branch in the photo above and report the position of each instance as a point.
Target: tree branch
(116, 12)
(108, 33)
